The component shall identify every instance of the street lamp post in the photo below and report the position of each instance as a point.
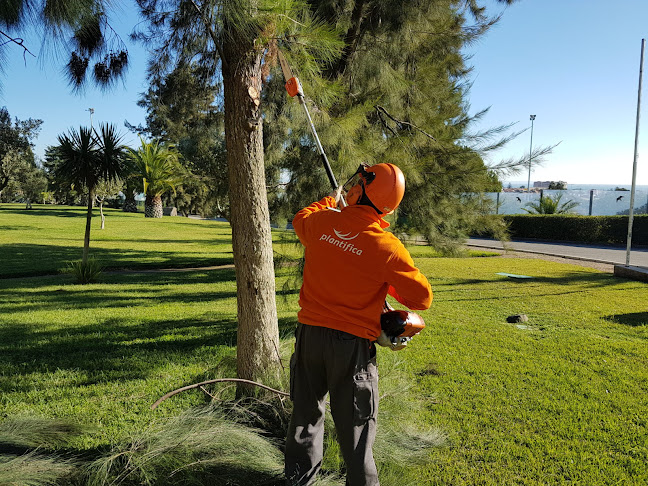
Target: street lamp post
(531, 117)
(91, 110)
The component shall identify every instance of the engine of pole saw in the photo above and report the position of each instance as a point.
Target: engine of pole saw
(399, 326)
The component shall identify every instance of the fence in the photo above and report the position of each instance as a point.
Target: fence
(592, 202)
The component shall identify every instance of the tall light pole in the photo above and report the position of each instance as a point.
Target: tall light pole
(531, 117)
(634, 163)
(91, 110)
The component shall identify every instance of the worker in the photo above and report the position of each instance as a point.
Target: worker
(351, 264)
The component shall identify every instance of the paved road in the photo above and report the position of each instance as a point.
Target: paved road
(595, 253)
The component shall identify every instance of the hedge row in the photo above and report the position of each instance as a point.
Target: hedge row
(575, 228)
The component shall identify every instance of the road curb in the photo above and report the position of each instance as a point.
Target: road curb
(534, 252)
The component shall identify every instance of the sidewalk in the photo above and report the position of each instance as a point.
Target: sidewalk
(614, 255)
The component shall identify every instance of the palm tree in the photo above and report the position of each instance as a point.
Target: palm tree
(158, 165)
(549, 205)
(85, 158)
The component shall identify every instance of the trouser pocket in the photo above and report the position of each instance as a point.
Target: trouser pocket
(365, 396)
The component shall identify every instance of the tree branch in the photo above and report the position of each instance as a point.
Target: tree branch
(220, 380)
(400, 123)
(212, 34)
(351, 39)
(18, 41)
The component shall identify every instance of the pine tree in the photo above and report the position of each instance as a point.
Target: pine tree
(80, 29)
(232, 38)
(397, 94)
(182, 110)
(16, 142)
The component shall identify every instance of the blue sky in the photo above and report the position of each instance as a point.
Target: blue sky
(573, 64)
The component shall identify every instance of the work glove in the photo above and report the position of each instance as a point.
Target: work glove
(386, 341)
(337, 194)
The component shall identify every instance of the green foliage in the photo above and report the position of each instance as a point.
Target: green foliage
(85, 158)
(201, 446)
(16, 142)
(586, 229)
(20, 466)
(32, 182)
(79, 28)
(33, 432)
(108, 189)
(182, 111)
(85, 272)
(402, 100)
(550, 205)
(396, 94)
(32, 469)
(158, 167)
(62, 191)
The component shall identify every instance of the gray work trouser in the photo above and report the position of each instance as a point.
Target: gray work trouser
(326, 360)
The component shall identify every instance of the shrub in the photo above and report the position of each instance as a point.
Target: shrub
(586, 229)
(575, 228)
(550, 205)
(85, 273)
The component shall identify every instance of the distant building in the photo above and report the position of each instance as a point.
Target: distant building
(550, 185)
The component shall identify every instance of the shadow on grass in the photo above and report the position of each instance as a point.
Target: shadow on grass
(21, 260)
(150, 289)
(224, 475)
(538, 286)
(114, 350)
(633, 319)
(66, 213)
(164, 241)
(569, 278)
(592, 279)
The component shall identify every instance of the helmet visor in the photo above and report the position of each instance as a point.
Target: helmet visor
(360, 175)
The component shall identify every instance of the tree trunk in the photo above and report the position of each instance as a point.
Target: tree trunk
(103, 218)
(258, 333)
(153, 207)
(351, 39)
(86, 239)
(130, 205)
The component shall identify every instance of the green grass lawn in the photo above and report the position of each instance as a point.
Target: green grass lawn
(43, 240)
(560, 399)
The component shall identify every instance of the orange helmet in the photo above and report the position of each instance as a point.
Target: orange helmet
(382, 184)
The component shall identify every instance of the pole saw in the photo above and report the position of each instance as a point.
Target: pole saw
(398, 326)
(294, 88)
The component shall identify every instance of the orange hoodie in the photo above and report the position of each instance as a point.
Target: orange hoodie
(351, 266)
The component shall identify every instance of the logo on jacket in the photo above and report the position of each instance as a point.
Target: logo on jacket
(345, 236)
(343, 242)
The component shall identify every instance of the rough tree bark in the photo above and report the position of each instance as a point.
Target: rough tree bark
(153, 207)
(258, 333)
